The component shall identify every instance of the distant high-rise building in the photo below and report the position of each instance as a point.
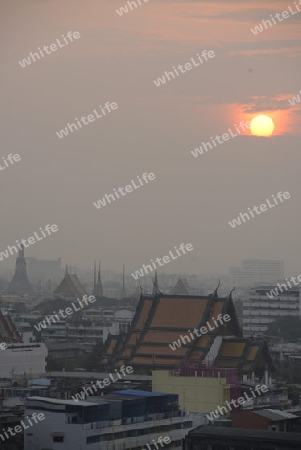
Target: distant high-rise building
(257, 271)
(44, 270)
(19, 284)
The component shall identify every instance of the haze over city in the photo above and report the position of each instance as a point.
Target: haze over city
(154, 130)
(150, 279)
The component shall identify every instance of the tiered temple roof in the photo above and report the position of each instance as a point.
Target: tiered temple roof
(243, 354)
(70, 287)
(19, 284)
(161, 319)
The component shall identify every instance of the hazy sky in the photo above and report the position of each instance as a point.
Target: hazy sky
(154, 130)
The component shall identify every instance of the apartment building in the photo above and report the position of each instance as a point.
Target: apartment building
(97, 324)
(43, 270)
(260, 310)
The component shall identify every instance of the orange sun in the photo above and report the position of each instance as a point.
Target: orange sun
(262, 126)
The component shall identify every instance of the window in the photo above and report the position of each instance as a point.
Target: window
(93, 439)
(221, 447)
(58, 439)
(242, 447)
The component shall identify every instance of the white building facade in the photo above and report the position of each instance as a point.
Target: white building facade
(260, 310)
(23, 359)
(70, 425)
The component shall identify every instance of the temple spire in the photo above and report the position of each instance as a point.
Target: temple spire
(99, 278)
(156, 286)
(21, 251)
(94, 283)
(123, 294)
(97, 291)
(19, 284)
(230, 294)
(66, 270)
(216, 289)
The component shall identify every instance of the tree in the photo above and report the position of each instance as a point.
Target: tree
(93, 360)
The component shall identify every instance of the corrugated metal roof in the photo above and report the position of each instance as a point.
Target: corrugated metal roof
(276, 414)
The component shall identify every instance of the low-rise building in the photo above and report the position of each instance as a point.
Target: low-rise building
(202, 392)
(97, 324)
(87, 425)
(65, 350)
(228, 438)
(267, 419)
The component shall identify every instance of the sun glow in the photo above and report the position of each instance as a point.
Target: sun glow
(262, 126)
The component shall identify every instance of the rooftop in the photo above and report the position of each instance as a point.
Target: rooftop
(276, 414)
(254, 435)
(138, 393)
(57, 401)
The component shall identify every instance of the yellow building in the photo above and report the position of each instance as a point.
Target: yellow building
(196, 394)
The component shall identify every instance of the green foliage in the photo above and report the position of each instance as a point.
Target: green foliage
(287, 327)
(92, 361)
(57, 365)
(53, 364)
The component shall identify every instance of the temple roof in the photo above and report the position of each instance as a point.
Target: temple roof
(162, 321)
(8, 331)
(70, 287)
(243, 354)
